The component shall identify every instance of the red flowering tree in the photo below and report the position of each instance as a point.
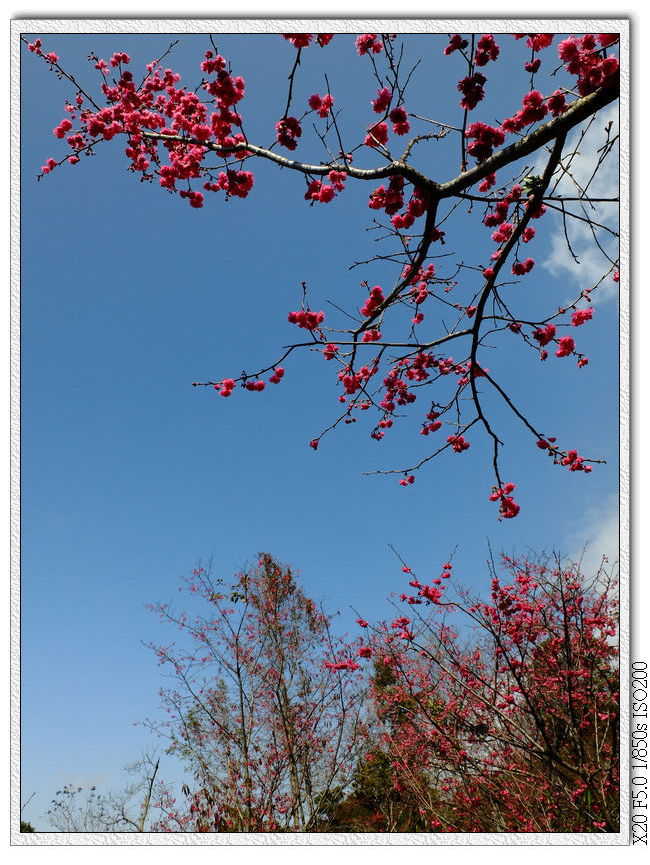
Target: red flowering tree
(503, 715)
(266, 710)
(430, 324)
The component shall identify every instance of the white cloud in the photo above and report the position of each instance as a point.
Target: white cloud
(605, 184)
(594, 535)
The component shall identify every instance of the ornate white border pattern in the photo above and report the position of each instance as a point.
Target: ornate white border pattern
(325, 25)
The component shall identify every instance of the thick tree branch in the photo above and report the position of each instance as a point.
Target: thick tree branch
(578, 111)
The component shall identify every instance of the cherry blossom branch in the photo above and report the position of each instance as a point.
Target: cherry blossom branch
(144, 115)
(580, 110)
(551, 165)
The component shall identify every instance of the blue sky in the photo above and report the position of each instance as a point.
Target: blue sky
(130, 475)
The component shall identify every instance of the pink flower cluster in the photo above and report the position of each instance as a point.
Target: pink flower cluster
(488, 182)
(258, 385)
(397, 390)
(324, 192)
(519, 268)
(35, 48)
(119, 57)
(431, 594)
(581, 315)
(416, 207)
(487, 50)
(375, 299)
(337, 179)
(534, 109)
(303, 40)
(278, 375)
(399, 118)
(321, 104)
(317, 191)
(483, 140)
(570, 458)
(582, 58)
(456, 43)
(194, 197)
(348, 664)
(49, 165)
(401, 626)
(306, 318)
(64, 126)
(575, 462)
(389, 200)
(557, 103)
(233, 183)
(419, 290)
(472, 89)
(503, 233)
(383, 100)
(298, 40)
(353, 382)
(537, 41)
(508, 508)
(458, 443)
(369, 43)
(227, 386)
(377, 135)
(288, 131)
(384, 423)
(500, 212)
(566, 346)
(545, 336)
(158, 104)
(392, 199)
(433, 425)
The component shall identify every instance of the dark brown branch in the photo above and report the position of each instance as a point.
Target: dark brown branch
(578, 111)
(552, 164)
(394, 167)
